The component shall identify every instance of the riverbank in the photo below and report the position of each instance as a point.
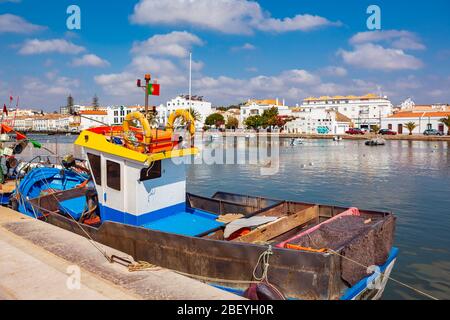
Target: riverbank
(344, 136)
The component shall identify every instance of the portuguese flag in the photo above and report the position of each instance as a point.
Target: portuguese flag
(153, 89)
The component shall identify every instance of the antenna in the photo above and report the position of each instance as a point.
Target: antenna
(379, 91)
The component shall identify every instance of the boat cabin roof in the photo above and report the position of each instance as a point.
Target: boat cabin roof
(101, 139)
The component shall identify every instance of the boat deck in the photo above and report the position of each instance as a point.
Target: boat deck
(188, 223)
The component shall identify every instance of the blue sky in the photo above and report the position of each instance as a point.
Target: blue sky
(242, 49)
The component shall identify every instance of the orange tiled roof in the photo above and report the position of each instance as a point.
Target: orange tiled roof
(94, 112)
(325, 98)
(431, 114)
(265, 102)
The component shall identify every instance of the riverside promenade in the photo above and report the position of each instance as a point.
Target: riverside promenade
(414, 137)
(39, 261)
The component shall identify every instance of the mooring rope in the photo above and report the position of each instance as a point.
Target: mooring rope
(384, 275)
(90, 239)
(263, 258)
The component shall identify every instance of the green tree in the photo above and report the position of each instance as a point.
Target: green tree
(232, 123)
(215, 119)
(253, 122)
(446, 121)
(270, 118)
(410, 126)
(375, 128)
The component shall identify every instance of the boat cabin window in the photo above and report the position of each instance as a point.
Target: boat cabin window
(95, 164)
(113, 175)
(152, 172)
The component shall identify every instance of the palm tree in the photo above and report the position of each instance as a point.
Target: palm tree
(195, 114)
(375, 128)
(410, 126)
(446, 121)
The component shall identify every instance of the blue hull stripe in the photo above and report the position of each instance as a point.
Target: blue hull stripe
(110, 214)
(362, 284)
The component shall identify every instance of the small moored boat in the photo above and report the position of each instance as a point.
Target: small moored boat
(296, 141)
(375, 142)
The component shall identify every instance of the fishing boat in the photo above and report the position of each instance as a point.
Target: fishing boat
(296, 141)
(133, 198)
(375, 142)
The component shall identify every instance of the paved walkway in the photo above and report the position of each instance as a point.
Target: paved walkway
(41, 261)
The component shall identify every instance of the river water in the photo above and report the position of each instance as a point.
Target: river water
(409, 178)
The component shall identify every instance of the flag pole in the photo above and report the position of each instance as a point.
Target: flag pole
(190, 79)
(15, 113)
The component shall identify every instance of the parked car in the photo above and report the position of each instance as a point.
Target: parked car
(355, 131)
(433, 132)
(387, 132)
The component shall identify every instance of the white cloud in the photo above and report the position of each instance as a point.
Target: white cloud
(287, 84)
(118, 84)
(408, 83)
(90, 60)
(163, 55)
(299, 77)
(399, 39)
(376, 57)
(38, 90)
(122, 84)
(305, 22)
(227, 16)
(10, 23)
(335, 71)
(176, 44)
(36, 46)
(245, 46)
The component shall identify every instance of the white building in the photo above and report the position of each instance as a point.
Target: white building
(116, 114)
(93, 118)
(182, 102)
(257, 107)
(317, 121)
(230, 113)
(14, 113)
(22, 123)
(423, 119)
(364, 111)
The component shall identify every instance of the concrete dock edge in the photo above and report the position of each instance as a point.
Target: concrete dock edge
(41, 261)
